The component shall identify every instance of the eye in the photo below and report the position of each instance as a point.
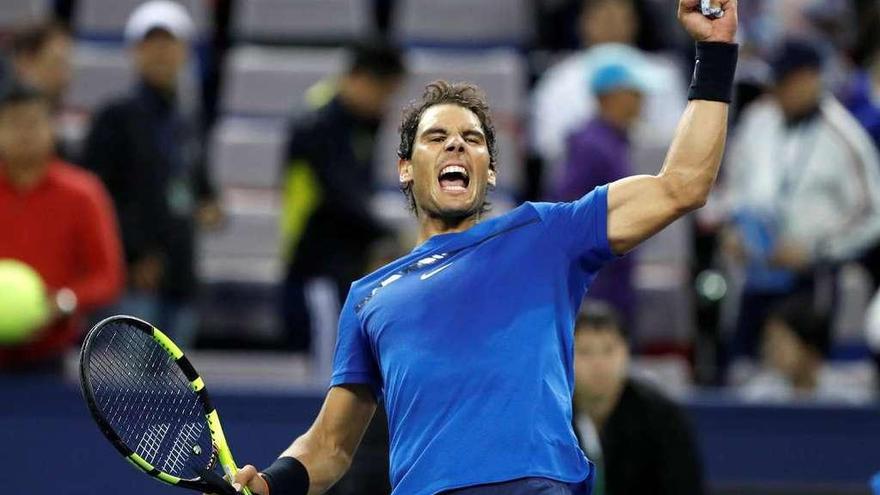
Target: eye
(438, 139)
(474, 140)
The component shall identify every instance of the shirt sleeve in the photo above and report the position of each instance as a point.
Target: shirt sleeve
(353, 361)
(580, 228)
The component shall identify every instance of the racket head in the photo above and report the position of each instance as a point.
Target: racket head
(152, 405)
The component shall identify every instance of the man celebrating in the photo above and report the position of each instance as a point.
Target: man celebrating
(468, 339)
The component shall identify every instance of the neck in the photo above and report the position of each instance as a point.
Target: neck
(619, 123)
(24, 176)
(599, 407)
(429, 225)
(165, 91)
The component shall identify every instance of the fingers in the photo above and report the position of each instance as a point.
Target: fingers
(249, 476)
(245, 474)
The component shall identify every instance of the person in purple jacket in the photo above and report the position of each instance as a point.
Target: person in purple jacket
(598, 153)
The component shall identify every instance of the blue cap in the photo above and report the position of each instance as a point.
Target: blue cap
(795, 54)
(615, 76)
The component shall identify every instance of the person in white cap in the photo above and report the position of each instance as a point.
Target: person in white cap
(149, 153)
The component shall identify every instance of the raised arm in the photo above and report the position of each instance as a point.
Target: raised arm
(325, 450)
(640, 206)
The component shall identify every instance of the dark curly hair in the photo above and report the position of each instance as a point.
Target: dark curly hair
(463, 94)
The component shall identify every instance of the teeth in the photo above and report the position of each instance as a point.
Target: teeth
(454, 168)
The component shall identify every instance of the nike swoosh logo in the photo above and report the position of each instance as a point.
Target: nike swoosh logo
(430, 274)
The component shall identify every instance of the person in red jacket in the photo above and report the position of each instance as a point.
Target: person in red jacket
(58, 219)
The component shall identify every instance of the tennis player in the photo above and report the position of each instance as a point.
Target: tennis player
(468, 338)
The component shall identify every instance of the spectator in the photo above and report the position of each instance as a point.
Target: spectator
(804, 192)
(149, 154)
(41, 55)
(640, 440)
(59, 220)
(795, 344)
(328, 223)
(598, 153)
(560, 105)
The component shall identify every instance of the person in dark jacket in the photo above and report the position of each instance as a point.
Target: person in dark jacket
(327, 223)
(149, 154)
(640, 440)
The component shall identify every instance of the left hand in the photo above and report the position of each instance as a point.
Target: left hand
(702, 28)
(790, 255)
(210, 215)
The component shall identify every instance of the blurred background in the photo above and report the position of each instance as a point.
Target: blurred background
(226, 168)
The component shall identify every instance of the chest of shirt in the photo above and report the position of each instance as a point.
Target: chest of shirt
(41, 229)
(449, 306)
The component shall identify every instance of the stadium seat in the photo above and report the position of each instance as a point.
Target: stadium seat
(303, 21)
(107, 18)
(273, 81)
(247, 248)
(247, 152)
(14, 13)
(464, 23)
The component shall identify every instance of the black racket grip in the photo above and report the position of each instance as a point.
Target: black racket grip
(218, 485)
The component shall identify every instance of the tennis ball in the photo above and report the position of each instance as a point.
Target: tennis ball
(23, 304)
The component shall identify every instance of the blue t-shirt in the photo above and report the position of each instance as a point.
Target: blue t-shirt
(470, 340)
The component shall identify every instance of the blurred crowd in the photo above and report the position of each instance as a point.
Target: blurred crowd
(122, 205)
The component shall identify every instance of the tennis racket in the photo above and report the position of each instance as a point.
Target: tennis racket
(152, 405)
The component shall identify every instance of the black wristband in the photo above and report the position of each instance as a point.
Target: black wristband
(286, 476)
(713, 71)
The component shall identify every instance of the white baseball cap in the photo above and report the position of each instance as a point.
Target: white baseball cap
(159, 14)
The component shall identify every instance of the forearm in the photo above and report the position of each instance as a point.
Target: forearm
(324, 462)
(694, 157)
(324, 452)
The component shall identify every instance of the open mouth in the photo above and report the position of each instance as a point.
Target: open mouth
(454, 179)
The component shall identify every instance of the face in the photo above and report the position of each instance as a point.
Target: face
(601, 358)
(49, 69)
(612, 21)
(372, 94)
(159, 59)
(625, 105)
(799, 92)
(781, 348)
(449, 168)
(26, 132)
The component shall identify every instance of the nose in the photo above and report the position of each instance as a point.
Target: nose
(455, 144)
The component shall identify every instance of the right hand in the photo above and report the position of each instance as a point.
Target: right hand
(249, 476)
(146, 273)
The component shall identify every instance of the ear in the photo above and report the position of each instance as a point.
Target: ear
(404, 170)
(492, 178)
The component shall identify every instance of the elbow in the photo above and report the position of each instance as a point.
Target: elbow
(687, 196)
(695, 201)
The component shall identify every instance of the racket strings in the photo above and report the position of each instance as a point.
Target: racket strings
(148, 401)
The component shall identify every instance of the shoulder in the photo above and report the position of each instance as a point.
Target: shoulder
(651, 400)
(844, 127)
(112, 113)
(545, 210)
(760, 112)
(77, 181)
(116, 106)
